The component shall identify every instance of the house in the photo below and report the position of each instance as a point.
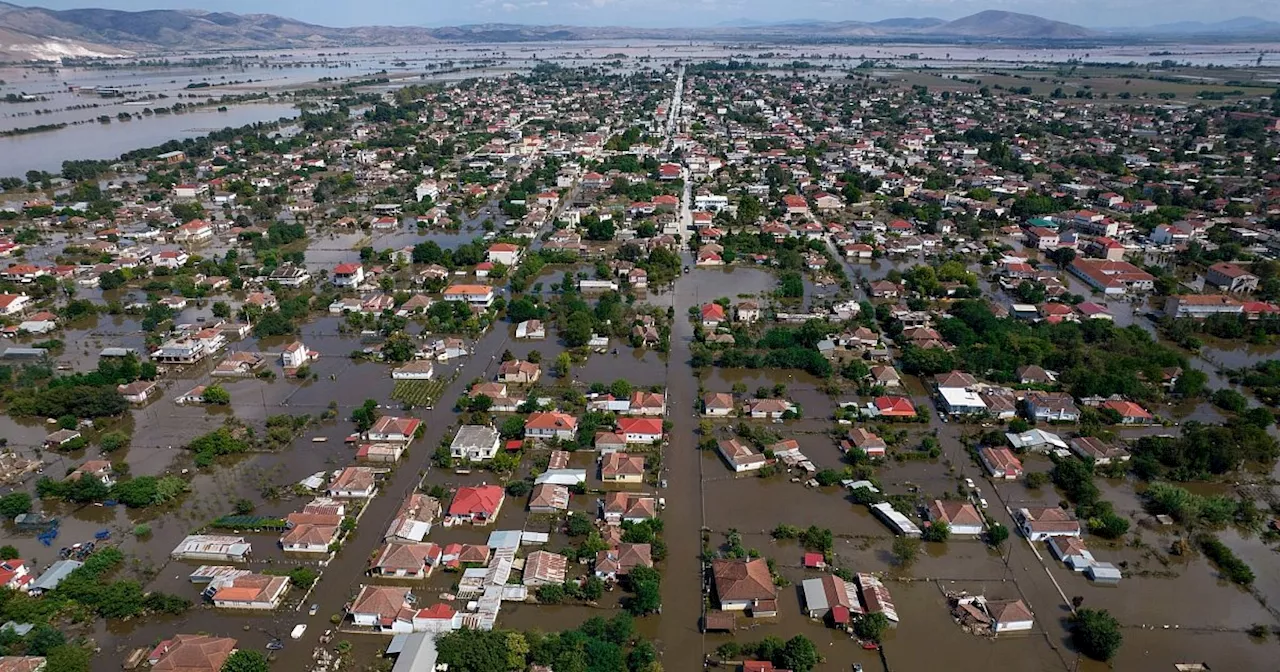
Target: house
(100, 469)
(295, 355)
(1201, 306)
(1101, 452)
(742, 584)
(875, 597)
(519, 372)
(1001, 462)
(15, 574)
(543, 568)
(1010, 616)
(718, 404)
(310, 538)
(42, 322)
(1112, 278)
(1038, 524)
(420, 369)
(475, 443)
(250, 591)
(212, 547)
(747, 311)
(289, 275)
(391, 428)
(622, 468)
(1036, 440)
(1130, 413)
(531, 329)
(551, 425)
(480, 296)
(772, 409)
(380, 452)
(610, 442)
(413, 521)
(1034, 375)
(389, 609)
(191, 653)
(21, 663)
(960, 516)
(893, 407)
(712, 315)
(478, 505)
(739, 456)
(12, 304)
(897, 522)
(1072, 552)
(53, 576)
(868, 442)
(621, 559)
(831, 596)
(405, 561)
(1052, 407)
(138, 391)
(348, 276)
(353, 483)
(621, 507)
(885, 376)
(647, 403)
(549, 498)
(641, 430)
(795, 205)
(61, 438)
(1231, 278)
(506, 254)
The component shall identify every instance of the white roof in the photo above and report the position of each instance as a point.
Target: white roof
(562, 477)
(957, 397)
(1035, 437)
(902, 523)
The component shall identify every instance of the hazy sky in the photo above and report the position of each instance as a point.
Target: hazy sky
(1099, 13)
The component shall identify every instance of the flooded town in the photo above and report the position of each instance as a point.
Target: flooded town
(641, 356)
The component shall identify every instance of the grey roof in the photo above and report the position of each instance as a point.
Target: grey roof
(55, 574)
(475, 436)
(12, 353)
(815, 596)
(19, 629)
(417, 653)
(504, 539)
(116, 352)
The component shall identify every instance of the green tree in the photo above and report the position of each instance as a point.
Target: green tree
(44, 639)
(1096, 633)
(905, 550)
(938, 530)
(67, 658)
(799, 654)
(246, 660)
(997, 534)
(8, 552)
(216, 395)
(871, 627)
(14, 504)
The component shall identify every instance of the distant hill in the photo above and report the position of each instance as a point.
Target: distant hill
(39, 33)
(1010, 25)
(1239, 26)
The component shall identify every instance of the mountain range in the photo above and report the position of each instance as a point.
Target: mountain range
(39, 33)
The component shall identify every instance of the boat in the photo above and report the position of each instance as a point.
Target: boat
(319, 439)
(298, 630)
(275, 645)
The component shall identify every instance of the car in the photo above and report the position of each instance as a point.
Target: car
(968, 483)
(982, 503)
(312, 611)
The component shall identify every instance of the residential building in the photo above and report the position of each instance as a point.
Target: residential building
(214, 547)
(1038, 524)
(1001, 462)
(1231, 278)
(622, 468)
(347, 276)
(621, 559)
(250, 591)
(961, 516)
(641, 430)
(1010, 616)
(543, 568)
(718, 404)
(310, 538)
(549, 498)
(739, 456)
(830, 596)
(391, 428)
(620, 507)
(414, 519)
(550, 425)
(354, 483)
(1052, 407)
(475, 443)
(1101, 452)
(1201, 306)
(742, 584)
(478, 505)
(406, 560)
(191, 653)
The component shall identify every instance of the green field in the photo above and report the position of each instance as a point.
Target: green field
(418, 392)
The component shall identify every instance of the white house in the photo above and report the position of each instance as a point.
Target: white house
(475, 443)
(416, 370)
(295, 355)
